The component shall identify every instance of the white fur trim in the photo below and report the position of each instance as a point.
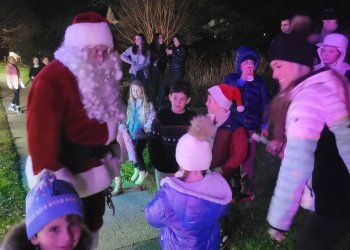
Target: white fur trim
(86, 183)
(240, 108)
(88, 34)
(31, 178)
(219, 97)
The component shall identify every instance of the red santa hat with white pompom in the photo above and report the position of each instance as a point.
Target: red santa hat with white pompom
(88, 29)
(225, 94)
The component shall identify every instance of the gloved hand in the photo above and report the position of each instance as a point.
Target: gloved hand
(218, 170)
(276, 234)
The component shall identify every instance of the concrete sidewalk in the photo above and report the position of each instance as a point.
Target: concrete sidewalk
(127, 229)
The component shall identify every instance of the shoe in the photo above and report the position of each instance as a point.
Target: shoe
(246, 197)
(18, 110)
(135, 175)
(12, 107)
(142, 176)
(118, 189)
(223, 242)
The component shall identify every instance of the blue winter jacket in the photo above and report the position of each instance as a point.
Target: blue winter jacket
(254, 94)
(188, 213)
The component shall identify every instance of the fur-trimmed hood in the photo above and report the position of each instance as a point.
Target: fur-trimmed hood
(16, 239)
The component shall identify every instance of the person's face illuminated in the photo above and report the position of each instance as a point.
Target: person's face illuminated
(97, 53)
(136, 91)
(176, 42)
(329, 54)
(330, 25)
(248, 67)
(160, 39)
(285, 72)
(178, 102)
(285, 26)
(138, 41)
(46, 60)
(62, 233)
(35, 61)
(212, 106)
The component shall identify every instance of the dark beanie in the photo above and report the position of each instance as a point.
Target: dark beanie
(293, 47)
(329, 14)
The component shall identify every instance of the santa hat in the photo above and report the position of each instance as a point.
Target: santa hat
(88, 29)
(194, 149)
(49, 199)
(225, 94)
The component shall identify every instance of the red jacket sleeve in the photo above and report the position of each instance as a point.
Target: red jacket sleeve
(238, 150)
(44, 120)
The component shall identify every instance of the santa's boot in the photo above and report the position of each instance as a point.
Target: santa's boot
(118, 189)
(142, 176)
(135, 175)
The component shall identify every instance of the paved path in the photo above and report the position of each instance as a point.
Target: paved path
(127, 229)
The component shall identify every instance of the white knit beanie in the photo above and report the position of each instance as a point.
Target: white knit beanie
(194, 149)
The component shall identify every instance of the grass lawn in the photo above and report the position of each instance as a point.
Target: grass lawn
(12, 194)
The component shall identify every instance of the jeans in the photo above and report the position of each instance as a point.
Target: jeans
(140, 145)
(157, 90)
(15, 99)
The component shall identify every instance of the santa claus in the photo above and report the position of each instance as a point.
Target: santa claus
(74, 108)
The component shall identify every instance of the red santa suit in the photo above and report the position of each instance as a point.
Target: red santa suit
(63, 135)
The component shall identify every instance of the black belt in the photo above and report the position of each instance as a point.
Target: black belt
(91, 152)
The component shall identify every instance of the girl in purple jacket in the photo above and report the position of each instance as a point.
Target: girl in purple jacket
(188, 207)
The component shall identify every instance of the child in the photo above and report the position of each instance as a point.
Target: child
(167, 128)
(254, 118)
(230, 145)
(187, 209)
(140, 114)
(14, 82)
(332, 53)
(54, 214)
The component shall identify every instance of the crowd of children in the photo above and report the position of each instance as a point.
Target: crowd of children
(201, 161)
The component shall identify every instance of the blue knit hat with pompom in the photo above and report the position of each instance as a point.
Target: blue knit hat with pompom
(49, 199)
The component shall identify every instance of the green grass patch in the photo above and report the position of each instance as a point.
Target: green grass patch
(12, 194)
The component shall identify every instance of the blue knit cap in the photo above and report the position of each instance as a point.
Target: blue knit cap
(50, 199)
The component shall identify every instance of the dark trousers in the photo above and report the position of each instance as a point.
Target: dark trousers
(140, 145)
(157, 79)
(94, 208)
(15, 99)
(321, 233)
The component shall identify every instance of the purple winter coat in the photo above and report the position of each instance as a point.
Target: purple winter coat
(188, 213)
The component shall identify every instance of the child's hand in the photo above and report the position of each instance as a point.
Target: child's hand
(275, 148)
(218, 170)
(276, 235)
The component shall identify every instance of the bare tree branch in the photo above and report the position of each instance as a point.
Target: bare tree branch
(151, 16)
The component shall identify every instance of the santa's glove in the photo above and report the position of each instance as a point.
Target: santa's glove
(276, 235)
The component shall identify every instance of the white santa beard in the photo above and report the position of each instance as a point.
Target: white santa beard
(98, 83)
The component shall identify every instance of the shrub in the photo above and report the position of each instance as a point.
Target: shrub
(203, 74)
